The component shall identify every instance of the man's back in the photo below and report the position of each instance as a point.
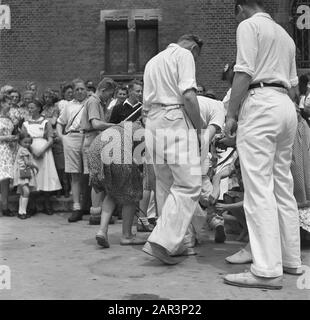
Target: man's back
(266, 51)
(168, 75)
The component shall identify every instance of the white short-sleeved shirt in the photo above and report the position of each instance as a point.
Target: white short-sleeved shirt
(266, 52)
(211, 112)
(73, 111)
(168, 75)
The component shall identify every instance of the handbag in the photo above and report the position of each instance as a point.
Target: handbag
(25, 173)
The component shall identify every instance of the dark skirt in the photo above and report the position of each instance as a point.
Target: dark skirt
(122, 181)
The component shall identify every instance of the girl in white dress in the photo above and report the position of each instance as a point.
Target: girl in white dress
(41, 131)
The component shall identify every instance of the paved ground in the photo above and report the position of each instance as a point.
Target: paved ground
(51, 259)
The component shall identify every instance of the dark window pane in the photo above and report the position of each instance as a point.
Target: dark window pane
(147, 44)
(117, 49)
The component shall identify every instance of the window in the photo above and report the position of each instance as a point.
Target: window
(301, 36)
(131, 39)
(116, 56)
(146, 43)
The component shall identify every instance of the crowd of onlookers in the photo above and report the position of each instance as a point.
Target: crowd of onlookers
(34, 129)
(29, 119)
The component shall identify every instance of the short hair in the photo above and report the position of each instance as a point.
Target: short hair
(192, 38)
(38, 104)
(65, 88)
(133, 83)
(250, 3)
(15, 91)
(123, 88)
(23, 135)
(76, 81)
(106, 84)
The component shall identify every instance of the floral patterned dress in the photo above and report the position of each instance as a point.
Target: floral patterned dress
(122, 181)
(6, 150)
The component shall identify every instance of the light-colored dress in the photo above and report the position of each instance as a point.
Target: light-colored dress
(47, 178)
(23, 157)
(6, 150)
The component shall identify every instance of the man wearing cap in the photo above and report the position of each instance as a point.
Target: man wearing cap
(264, 73)
(169, 98)
(92, 123)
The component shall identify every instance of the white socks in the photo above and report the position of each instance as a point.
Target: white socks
(76, 206)
(95, 211)
(23, 203)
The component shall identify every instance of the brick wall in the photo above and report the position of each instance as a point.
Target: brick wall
(55, 41)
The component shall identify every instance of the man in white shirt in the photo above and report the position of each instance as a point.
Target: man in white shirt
(70, 123)
(169, 97)
(264, 73)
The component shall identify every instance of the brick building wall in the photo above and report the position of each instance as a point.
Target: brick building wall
(54, 41)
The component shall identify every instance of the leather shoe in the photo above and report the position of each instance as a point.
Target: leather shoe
(94, 220)
(160, 253)
(249, 280)
(102, 241)
(75, 216)
(241, 257)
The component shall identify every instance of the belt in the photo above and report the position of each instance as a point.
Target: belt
(263, 84)
(75, 131)
(82, 131)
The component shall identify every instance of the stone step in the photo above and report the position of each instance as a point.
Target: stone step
(60, 204)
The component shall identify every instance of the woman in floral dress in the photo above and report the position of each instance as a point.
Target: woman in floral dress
(6, 151)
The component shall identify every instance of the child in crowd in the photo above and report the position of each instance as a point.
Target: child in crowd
(24, 173)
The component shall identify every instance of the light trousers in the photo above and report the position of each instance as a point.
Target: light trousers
(175, 155)
(266, 132)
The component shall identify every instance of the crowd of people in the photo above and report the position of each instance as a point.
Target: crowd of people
(54, 144)
(35, 130)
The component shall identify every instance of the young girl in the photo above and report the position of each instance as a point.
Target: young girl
(41, 132)
(24, 173)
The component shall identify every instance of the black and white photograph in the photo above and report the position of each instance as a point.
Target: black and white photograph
(155, 151)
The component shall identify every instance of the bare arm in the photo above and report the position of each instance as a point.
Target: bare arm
(100, 125)
(191, 107)
(59, 130)
(239, 90)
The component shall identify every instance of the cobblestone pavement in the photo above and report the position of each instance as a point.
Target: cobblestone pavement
(52, 259)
